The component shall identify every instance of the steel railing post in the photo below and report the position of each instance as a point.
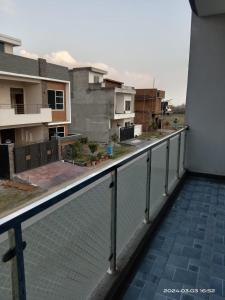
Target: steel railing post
(178, 156)
(113, 235)
(185, 143)
(148, 187)
(167, 167)
(17, 263)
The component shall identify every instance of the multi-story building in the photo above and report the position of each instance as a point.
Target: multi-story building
(101, 107)
(34, 97)
(148, 107)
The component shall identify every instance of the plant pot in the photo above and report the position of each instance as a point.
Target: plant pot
(93, 163)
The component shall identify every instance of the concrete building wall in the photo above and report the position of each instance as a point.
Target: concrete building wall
(205, 112)
(28, 135)
(22, 65)
(91, 109)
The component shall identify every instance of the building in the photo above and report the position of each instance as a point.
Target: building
(101, 107)
(148, 107)
(34, 97)
(34, 105)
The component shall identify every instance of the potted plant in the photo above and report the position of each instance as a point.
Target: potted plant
(93, 147)
(93, 160)
(100, 156)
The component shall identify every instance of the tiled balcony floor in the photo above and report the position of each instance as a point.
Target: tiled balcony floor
(188, 250)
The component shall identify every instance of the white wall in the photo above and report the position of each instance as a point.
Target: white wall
(92, 75)
(28, 135)
(120, 102)
(32, 92)
(206, 96)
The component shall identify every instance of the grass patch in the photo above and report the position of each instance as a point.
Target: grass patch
(170, 118)
(121, 150)
(13, 197)
(151, 135)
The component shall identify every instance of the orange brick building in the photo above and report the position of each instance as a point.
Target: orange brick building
(148, 106)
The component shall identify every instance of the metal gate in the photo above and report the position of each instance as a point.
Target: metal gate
(4, 162)
(35, 155)
(126, 133)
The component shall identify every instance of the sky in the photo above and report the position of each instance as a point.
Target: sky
(137, 41)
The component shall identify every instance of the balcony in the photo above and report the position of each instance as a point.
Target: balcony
(24, 114)
(185, 259)
(124, 115)
(69, 241)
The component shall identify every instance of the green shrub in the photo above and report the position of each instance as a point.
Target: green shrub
(84, 140)
(93, 147)
(114, 138)
(76, 149)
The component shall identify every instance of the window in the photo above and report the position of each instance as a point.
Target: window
(2, 47)
(56, 99)
(96, 79)
(127, 105)
(56, 131)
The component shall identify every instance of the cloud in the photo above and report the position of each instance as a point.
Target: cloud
(7, 6)
(64, 58)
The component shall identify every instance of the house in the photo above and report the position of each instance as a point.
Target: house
(148, 107)
(34, 98)
(101, 107)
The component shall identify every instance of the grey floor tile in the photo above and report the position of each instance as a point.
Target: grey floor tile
(132, 293)
(186, 277)
(189, 248)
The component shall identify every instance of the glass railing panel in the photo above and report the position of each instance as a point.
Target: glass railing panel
(173, 159)
(131, 193)
(5, 270)
(68, 245)
(182, 145)
(158, 169)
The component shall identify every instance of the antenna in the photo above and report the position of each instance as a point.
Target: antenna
(153, 82)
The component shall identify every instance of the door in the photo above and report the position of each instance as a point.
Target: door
(7, 136)
(19, 104)
(126, 133)
(17, 100)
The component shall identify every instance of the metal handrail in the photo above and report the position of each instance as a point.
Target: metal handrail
(31, 210)
(24, 108)
(13, 222)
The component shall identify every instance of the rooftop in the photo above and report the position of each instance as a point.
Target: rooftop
(92, 69)
(10, 40)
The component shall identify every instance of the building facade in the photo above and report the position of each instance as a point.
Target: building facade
(101, 107)
(148, 107)
(34, 97)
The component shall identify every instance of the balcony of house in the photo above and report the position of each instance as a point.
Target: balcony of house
(21, 102)
(104, 246)
(21, 114)
(99, 216)
(124, 106)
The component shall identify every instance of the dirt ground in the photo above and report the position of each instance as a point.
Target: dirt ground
(13, 195)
